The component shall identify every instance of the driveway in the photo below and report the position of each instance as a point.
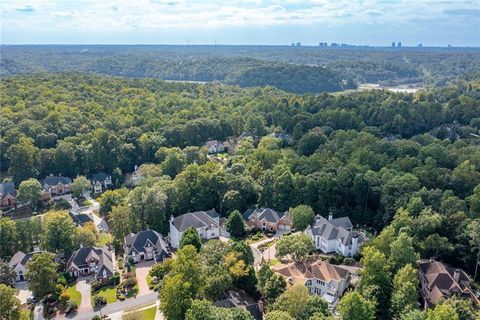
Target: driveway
(84, 287)
(142, 269)
(23, 292)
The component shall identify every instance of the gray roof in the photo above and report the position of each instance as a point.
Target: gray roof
(197, 219)
(145, 238)
(81, 218)
(20, 258)
(103, 255)
(337, 228)
(100, 177)
(7, 188)
(265, 214)
(54, 180)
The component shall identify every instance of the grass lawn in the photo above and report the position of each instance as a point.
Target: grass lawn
(273, 262)
(149, 280)
(104, 238)
(146, 314)
(110, 293)
(75, 295)
(25, 314)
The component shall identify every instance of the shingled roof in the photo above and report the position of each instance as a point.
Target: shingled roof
(338, 228)
(197, 219)
(80, 258)
(54, 180)
(7, 188)
(264, 214)
(100, 177)
(300, 272)
(138, 242)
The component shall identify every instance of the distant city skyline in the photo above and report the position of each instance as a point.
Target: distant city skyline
(248, 22)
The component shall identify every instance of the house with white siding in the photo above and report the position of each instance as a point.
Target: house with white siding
(207, 224)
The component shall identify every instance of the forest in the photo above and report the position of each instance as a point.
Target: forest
(367, 155)
(293, 69)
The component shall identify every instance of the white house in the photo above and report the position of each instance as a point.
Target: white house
(145, 245)
(18, 263)
(207, 224)
(320, 278)
(214, 146)
(335, 235)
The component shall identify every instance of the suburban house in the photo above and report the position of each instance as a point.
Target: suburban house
(91, 261)
(207, 224)
(101, 181)
(7, 194)
(145, 245)
(440, 281)
(214, 146)
(18, 263)
(238, 298)
(56, 186)
(268, 219)
(320, 278)
(335, 235)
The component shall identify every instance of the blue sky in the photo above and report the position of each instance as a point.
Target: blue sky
(374, 22)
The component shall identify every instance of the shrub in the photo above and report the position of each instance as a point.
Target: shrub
(98, 301)
(114, 280)
(96, 285)
(121, 297)
(62, 281)
(349, 261)
(127, 275)
(336, 259)
(71, 306)
(120, 263)
(64, 297)
(130, 282)
(95, 317)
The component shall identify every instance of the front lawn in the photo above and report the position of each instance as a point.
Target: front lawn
(149, 280)
(104, 238)
(109, 292)
(75, 295)
(146, 314)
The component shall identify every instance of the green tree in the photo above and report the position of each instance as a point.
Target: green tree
(79, 185)
(111, 198)
(7, 274)
(149, 206)
(87, 235)
(121, 223)
(23, 158)
(188, 266)
(414, 315)
(296, 246)
(191, 237)
(9, 304)
(302, 216)
(299, 304)
(175, 297)
(8, 238)
(201, 310)
(236, 225)
(310, 142)
(269, 284)
(355, 307)
(30, 191)
(442, 312)
(278, 315)
(29, 233)
(42, 274)
(463, 307)
(245, 251)
(402, 252)
(473, 234)
(59, 232)
(405, 291)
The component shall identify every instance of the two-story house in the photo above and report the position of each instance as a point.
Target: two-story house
(91, 261)
(7, 195)
(320, 278)
(56, 186)
(214, 146)
(268, 219)
(207, 224)
(101, 181)
(439, 282)
(335, 235)
(145, 245)
(18, 263)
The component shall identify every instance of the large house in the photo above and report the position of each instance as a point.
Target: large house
(207, 224)
(91, 261)
(145, 245)
(18, 263)
(320, 278)
(7, 194)
(56, 186)
(101, 181)
(214, 146)
(268, 219)
(335, 235)
(441, 282)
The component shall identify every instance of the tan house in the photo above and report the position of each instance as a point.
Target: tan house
(7, 195)
(91, 261)
(56, 186)
(268, 219)
(442, 282)
(320, 277)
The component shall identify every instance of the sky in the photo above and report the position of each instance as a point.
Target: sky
(249, 22)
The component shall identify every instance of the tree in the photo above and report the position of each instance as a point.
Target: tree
(463, 307)
(87, 235)
(149, 206)
(8, 238)
(402, 252)
(7, 274)
(310, 142)
(59, 232)
(42, 274)
(121, 223)
(30, 191)
(405, 294)
(175, 297)
(299, 304)
(201, 310)
(473, 233)
(23, 158)
(188, 266)
(375, 282)
(110, 199)
(435, 245)
(79, 185)
(9, 304)
(245, 251)
(442, 312)
(269, 284)
(191, 237)
(278, 315)
(160, 270)
(302, 216)
(236, 225)
(296, 246)
(355, 307)
(414, 315)
(29, 233)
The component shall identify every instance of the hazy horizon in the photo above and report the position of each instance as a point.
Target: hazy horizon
(252, 22)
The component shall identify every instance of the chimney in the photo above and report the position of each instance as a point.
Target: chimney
(330, 216)
(456, 275)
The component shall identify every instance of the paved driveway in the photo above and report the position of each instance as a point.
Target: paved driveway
(84, 287)
(23, 292)
(142, 269)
